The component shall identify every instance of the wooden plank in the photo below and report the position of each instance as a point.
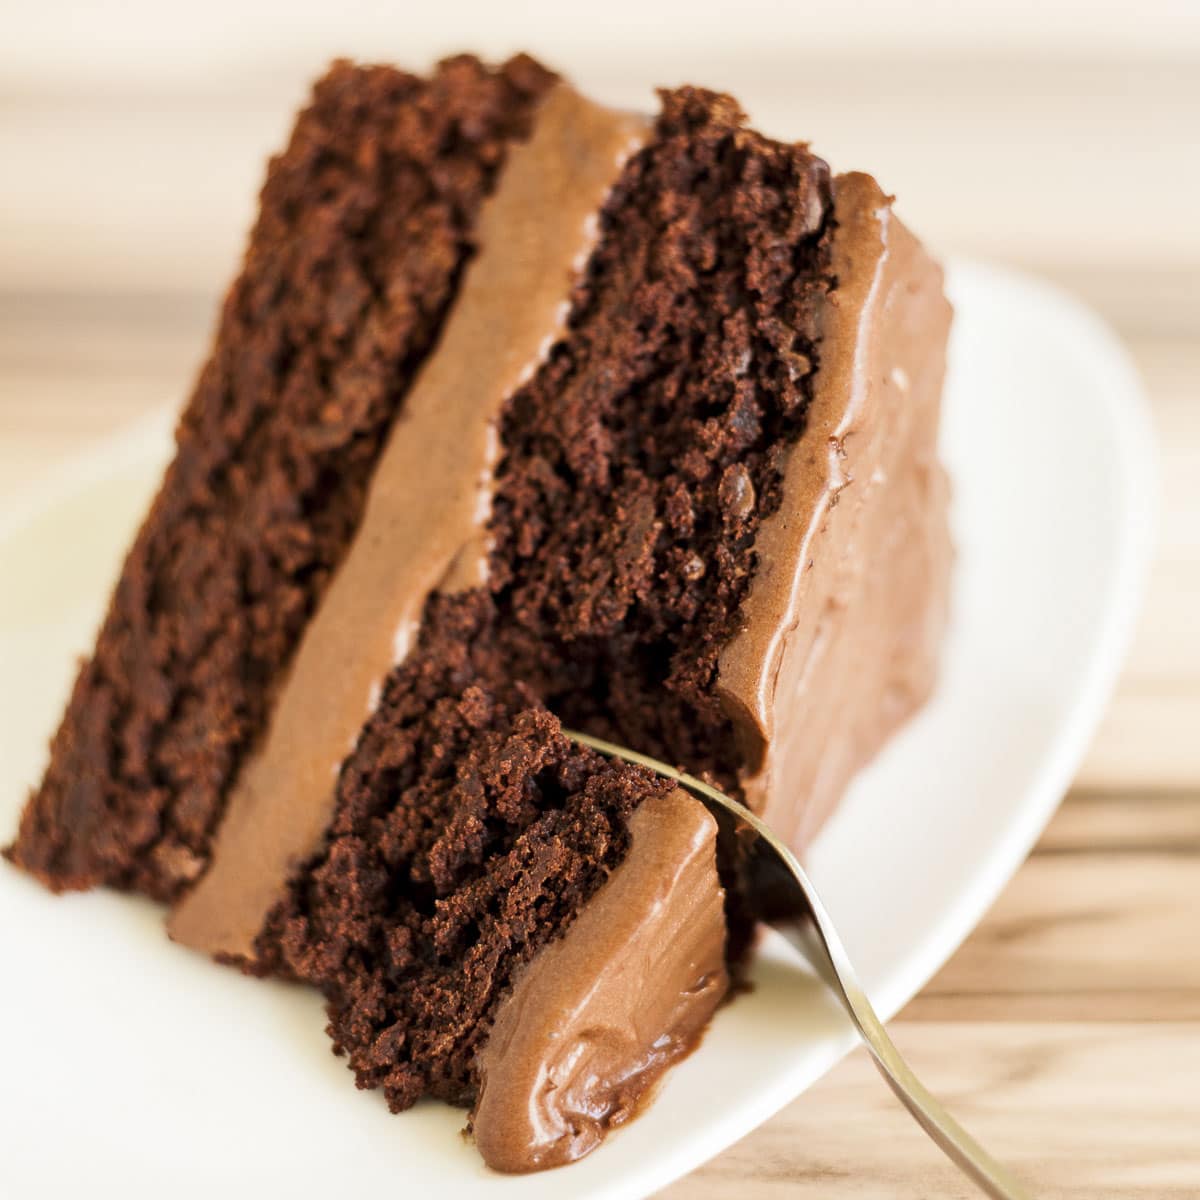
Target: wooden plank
(1149, 735)
(1083, 1112)
(1098, 925)
(1111, 937)
(1104, 823)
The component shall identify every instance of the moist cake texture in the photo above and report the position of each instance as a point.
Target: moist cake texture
(640, 462)
(664, 470)
(365, 223)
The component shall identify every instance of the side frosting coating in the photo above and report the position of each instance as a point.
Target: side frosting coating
(842, 623)
(598, 1016)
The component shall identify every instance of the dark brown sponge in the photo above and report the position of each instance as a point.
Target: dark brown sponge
(639, 463)
(365, 223)
(469, 832)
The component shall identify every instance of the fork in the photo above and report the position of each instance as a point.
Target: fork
(781, 894)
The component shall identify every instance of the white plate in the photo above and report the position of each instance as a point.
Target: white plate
(133, 1068)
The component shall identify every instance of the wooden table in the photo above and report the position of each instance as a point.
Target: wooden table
(1066, 1031)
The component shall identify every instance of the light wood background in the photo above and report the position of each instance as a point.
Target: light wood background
(1066, 1031)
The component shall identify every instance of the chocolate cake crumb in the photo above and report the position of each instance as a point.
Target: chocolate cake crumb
(639, 463)
(468, 833)
(365, 224)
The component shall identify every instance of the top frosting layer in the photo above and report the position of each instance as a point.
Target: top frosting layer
(425, 513)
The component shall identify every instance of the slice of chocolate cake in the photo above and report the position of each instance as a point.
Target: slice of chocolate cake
(663, 469)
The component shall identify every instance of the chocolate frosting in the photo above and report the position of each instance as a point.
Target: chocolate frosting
(426, 512)
(840, 629)
(598, 1016)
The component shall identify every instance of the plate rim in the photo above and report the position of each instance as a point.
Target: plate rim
(1134, 537)
(1128, 409)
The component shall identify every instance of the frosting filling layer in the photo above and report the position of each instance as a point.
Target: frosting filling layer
(425, 514)
(365, 222)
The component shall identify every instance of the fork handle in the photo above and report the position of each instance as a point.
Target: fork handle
(991, 1177)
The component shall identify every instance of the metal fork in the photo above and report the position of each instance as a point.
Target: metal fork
(781, 894)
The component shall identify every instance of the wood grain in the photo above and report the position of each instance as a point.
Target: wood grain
(1078, 1110)
(1066, 1031)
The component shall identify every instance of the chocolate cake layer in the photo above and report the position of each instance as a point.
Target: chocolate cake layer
(366, 221)
(469, 834)
(640, 462)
